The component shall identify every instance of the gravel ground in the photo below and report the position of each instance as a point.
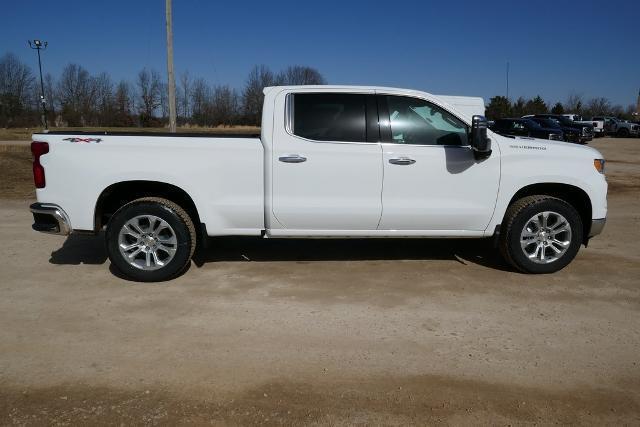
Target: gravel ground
(322, 332)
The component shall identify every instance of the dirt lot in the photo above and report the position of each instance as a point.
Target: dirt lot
(321, 332)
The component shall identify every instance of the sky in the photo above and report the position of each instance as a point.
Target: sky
(556, 48)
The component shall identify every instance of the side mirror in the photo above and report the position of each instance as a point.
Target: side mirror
(480, 143)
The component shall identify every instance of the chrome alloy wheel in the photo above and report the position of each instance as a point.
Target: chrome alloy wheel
(147, 242)
(546, 237)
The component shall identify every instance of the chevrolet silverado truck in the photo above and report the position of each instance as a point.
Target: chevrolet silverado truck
(330, 162)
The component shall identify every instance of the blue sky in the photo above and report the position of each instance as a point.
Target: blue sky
(456, 48)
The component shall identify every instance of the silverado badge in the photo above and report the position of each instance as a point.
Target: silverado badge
(83, 140)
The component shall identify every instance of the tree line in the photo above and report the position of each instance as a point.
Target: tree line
(500, 107)
(78, 98)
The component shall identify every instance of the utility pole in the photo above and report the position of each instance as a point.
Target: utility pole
(172, 79)
(37, 45)
(507, 79)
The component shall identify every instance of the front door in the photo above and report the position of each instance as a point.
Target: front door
(432, 181)
(327, 163)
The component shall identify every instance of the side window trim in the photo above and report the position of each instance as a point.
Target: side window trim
(372, 119)
(385, 120)
(372, 132)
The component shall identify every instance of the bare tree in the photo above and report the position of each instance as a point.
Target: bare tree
(252, 96)
(225, 106)
(104, 99)
(598, 107)
(51, 96)
(164, 100)
(184, 95)
(149, 90)
(16, 87)
(200, 95)
(124, 105)
(301, 75)
(76, 92)
(574, 104)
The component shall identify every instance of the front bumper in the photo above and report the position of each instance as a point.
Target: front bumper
(50, 218)
(597, 225)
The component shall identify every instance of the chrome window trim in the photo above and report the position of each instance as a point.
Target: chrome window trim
(289, 116)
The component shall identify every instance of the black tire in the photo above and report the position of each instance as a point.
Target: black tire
(181, 225)
(516, 219)
(622, 133)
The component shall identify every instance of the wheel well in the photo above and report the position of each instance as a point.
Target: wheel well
(117, 195)
(575, 196)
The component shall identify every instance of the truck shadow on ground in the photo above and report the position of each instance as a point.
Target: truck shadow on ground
(79, 249)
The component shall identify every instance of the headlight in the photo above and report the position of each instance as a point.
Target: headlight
(599, 165)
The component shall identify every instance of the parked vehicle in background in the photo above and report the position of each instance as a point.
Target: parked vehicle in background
(619, 128)
(331, 161)
(570, 133)
(598, 125)
(526, 127)
(573, 117)
(584, 131)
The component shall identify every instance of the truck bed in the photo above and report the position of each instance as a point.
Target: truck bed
(221, 173)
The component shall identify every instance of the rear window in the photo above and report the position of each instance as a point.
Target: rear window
(330, 116)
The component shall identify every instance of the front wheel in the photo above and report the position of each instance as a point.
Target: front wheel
(151, 239)
(540, 234)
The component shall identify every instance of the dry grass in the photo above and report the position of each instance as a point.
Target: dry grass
(16, 179)
(24, 134)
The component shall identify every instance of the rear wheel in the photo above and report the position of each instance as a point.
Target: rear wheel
(540, 234)
(151, 239)
(623, 133)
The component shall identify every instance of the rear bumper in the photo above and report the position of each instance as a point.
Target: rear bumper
(50, 218)
(597, 225)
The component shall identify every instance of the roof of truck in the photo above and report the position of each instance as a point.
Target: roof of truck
(468, 105)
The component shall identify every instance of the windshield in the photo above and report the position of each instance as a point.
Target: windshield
(563, 120)
(548, 123)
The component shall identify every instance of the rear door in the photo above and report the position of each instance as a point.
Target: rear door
(327, 163)
(432, 181)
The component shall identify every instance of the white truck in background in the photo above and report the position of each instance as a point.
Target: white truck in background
(598, 123)
(619, 128)
(330, 162)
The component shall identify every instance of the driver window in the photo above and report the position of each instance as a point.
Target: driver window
(415, 121)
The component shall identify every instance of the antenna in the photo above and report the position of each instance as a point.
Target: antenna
(507, 79)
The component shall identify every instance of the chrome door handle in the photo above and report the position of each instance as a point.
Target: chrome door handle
(404, 161)
(292, 158)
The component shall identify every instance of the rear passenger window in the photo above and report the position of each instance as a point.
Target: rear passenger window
(330, 116)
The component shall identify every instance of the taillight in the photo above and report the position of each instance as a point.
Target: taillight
(38, 149)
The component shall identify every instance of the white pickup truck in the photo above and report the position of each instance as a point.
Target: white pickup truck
(330, 162)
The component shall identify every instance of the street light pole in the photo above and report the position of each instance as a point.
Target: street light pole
(37, 45)
(170, 75)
